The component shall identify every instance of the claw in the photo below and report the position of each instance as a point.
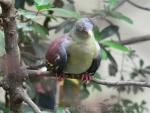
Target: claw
(85, 77)
(60, 77)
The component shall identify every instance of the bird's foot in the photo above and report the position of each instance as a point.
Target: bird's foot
(85, 77)
(60, 77)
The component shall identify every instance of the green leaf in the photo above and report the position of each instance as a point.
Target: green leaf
(147, 67)
(96, 86)
(30, 2)
(41, 7)
(7, 110)
(65, 26)
(126, 101)
(39, 29)
(19, 4)
(104, 54)
(46, 112)
(24, 26)
(120, 16)
(60, 110)
(111, 58)
(115, 45)
(42, 2)
(113, 69)
(144, 71)
(68, 27)
(102, 13)
(27, 14)
(141, 62)
(109, 31)
(97, 33)
(84, 94)
(143, 102)
(66, 12)
(3, 108)
(2, 44)
(97, 75)
(39, 47)
(112, 3)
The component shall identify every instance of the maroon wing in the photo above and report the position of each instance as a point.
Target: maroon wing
(56, 54)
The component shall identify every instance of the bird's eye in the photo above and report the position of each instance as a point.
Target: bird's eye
(79, 27)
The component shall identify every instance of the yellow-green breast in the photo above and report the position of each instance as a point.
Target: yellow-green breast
(80, 55)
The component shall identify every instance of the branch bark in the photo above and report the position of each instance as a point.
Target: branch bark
(138, 6)
(5, 3)
(40, 73)
(33, 73)
(12, 57)
(15, 75)
(135, 40)
(28, 100)
(121, 83)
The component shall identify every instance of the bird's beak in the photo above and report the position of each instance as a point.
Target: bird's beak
(89, 32)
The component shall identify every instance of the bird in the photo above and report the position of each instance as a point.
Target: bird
(76, 52)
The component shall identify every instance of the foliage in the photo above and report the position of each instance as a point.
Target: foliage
(34, 38)
(128, 106)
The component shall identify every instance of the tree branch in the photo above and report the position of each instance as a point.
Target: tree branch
(1, 83)
(15, 75)
(121, 83)
(5, 3)
(53, 27)
(33, 73)
(135, 40)
(36, 67)
(138, 6)
(28, 100)
(39, 73)
(12, 57)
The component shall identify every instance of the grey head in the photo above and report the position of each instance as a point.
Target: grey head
(83, 28)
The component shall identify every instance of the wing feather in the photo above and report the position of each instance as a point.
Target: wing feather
(95, 64)
(56, 54)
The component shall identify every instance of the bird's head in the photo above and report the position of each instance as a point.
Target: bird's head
(83, 28)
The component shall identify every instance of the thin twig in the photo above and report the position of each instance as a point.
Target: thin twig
(121, 83)
(138, 6)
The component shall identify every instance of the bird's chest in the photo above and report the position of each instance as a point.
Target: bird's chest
(80, 57)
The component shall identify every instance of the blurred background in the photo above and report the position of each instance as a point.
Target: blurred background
(115, 21)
